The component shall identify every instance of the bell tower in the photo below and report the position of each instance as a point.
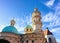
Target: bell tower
(36, 19)
(37, 25)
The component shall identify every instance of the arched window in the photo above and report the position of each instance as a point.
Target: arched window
(34, 20)
(50, 41)
(30, 30)
(32, 41)
(27, 41)
(27, 29)
(4, 41)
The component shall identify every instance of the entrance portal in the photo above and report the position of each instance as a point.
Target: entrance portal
(4, 41)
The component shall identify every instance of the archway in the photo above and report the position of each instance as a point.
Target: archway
(4, 41)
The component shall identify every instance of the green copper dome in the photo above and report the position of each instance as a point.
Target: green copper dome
(29, 26)
(10, 29)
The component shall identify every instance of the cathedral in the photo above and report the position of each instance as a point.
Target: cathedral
(33, 34)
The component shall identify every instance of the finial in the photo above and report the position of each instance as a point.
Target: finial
(12, 22)
(47, 28)
(35, 9)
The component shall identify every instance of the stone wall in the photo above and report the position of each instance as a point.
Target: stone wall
(12, 38)
(33, 38)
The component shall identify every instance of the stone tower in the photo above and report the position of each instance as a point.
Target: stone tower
(37, 26)
(36, 18)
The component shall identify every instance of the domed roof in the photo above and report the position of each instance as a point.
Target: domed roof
(29, 26)
(10, 29)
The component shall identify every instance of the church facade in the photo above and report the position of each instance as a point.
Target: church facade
(33, 34)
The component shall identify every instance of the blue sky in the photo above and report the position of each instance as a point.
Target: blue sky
(22, 10)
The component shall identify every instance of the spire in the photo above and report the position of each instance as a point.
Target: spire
(48, 32)
(47, 28)
(12, 22)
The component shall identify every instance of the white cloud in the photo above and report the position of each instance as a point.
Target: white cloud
(58, 40)
(54, 20)
(55, 29)
(21, 23)
(48, 17)
(57, 9)
(19, 28)
(50, 3)
(28, 19)
(1, 27)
